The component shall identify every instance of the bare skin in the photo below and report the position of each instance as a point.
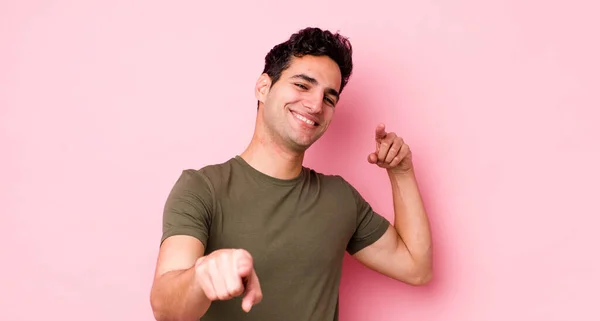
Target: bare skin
(186, 281)
(294, 113)
(404, 252)
(308, 88)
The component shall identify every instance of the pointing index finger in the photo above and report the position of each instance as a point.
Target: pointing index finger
(380, 131)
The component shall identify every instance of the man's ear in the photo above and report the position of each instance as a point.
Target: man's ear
(263, 84)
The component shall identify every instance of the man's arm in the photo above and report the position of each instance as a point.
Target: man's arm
(186, 280)
(175, 294)
(404, 252)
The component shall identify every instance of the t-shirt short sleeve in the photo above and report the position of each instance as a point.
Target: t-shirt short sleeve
(370, 225)
(189, 207)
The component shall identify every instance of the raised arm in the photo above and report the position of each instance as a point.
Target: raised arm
(404, 252)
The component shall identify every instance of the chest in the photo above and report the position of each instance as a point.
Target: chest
(306, 233)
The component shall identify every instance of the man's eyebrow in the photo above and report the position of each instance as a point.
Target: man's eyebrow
(313, 81)
(306, 78)
(333, 92)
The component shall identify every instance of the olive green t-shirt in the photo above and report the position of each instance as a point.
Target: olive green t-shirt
(297, 231)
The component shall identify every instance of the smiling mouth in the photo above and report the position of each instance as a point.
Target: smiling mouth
(304, 119)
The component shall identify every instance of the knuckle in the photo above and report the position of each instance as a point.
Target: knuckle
(224, 258)
(210, 296)
(202, 268)
(224, 254)
(243, 255)
(212, 264)
(232, 290)
(236, 290)
(239, 253)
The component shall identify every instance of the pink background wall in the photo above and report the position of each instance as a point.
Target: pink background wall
(103, 103)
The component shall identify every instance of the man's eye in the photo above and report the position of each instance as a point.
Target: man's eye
(301, 86)
(330, 101)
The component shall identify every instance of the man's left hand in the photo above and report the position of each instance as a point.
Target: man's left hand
(391, 152)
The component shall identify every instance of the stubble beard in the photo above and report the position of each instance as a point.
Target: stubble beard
(282, 134)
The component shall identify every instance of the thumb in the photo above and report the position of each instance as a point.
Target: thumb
(253, 293)
(372, 158)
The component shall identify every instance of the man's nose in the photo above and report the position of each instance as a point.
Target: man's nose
(314, 103)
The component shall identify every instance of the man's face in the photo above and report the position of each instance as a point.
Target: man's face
(299, 107)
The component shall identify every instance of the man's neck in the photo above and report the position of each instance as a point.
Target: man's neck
(269, 158)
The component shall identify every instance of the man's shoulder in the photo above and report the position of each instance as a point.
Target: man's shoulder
(216, 168)
(208, 174)
(330, 181)
(326, 177)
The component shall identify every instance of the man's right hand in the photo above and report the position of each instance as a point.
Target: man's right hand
(228, 273)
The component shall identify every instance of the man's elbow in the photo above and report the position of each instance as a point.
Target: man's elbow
(420, 277)
(156, 307)
(159, 307)
(423, 279)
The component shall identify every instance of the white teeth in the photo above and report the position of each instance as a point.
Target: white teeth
(308, 121)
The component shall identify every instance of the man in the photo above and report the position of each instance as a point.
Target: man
(262, 228)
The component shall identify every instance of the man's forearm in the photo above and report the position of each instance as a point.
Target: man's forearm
(175, 297)
(410, 219)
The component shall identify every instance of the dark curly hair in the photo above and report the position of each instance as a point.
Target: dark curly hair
(314, 42)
